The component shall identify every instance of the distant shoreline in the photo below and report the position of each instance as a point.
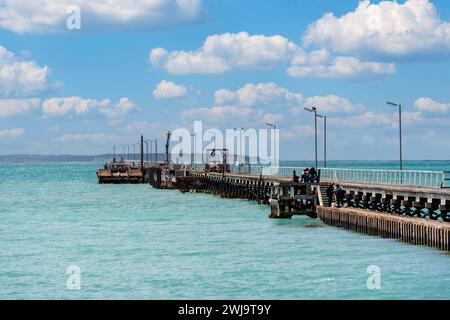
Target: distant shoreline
(109, 157)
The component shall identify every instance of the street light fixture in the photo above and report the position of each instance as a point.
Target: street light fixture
(314, 110)
(399, 106)
(240, 162)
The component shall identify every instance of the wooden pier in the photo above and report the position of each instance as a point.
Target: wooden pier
(412, 206)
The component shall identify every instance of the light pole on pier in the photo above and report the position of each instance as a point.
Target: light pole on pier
(147, 141)
(240, 162)
(399, 106)
(314, 110)
(324, 138)
(151, 148)
(274, 126)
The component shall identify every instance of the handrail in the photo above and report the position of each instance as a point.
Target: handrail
(416, 178)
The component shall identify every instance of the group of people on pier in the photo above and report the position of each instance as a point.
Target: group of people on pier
(310, 176)
(338, 192)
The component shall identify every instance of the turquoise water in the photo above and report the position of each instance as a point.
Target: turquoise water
(134, 242)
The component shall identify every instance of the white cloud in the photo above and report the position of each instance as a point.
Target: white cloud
(86, 137)
(261, 93)
(11, 133)
(388, 28)
(123, 107)
(271, 94)
(372, 119)
(340, 67)
(77, 105)
(234, 51)
(13, 107)
(169, 90)
(329, 104)
(221, 53)
(80, 106)
(21, 78)
(272, 118)
(231, 114)
(429, 105)
(296, 131)
(219, 113)
(25, 16)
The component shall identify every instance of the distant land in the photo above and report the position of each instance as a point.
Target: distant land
(63, 158)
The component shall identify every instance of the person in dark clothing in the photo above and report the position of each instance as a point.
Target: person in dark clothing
(339, 195)
(330, 191)
(295, 177)
(305, 175)
(312, 175)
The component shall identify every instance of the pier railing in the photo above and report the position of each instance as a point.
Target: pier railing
(415, 178)
(431, 179)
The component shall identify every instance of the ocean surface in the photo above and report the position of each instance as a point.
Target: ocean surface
(134, 242)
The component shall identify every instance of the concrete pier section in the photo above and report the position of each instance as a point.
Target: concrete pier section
(417, 231)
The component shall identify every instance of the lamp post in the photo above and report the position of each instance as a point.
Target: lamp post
(399, 106)
(314, 110)
(240, 148)
(274, 126)
(324, 138)
(146, 150)
(146, 143)
(193, 150)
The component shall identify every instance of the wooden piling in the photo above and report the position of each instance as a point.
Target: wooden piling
(416, 231)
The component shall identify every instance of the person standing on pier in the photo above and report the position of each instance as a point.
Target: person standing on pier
(330, 192)
(339, 195)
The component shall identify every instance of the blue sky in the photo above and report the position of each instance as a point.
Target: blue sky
(132, 70)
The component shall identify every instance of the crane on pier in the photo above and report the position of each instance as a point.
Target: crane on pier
(220, 167)
(169, 134)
